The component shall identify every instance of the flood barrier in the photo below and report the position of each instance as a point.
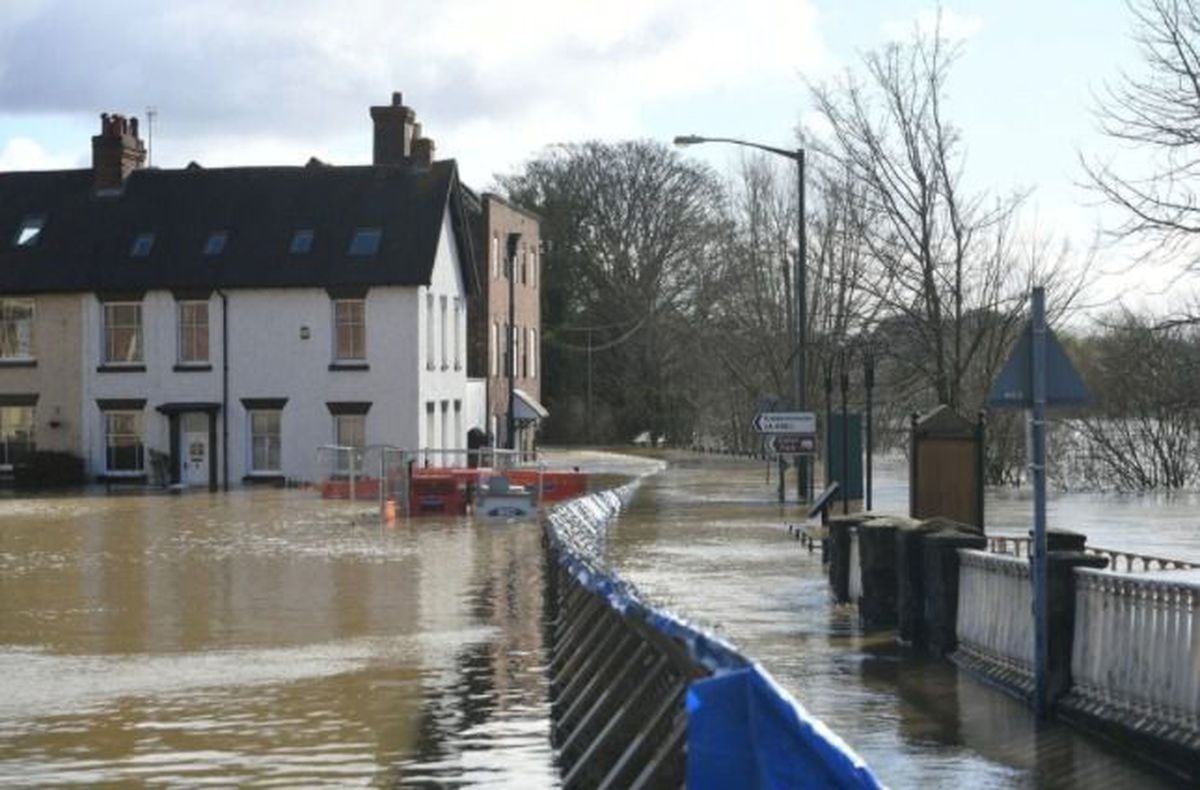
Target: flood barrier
(641, 698)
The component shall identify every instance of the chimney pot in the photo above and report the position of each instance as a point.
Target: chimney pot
(116, 152)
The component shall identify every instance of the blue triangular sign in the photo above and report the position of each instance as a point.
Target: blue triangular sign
(1013, 388)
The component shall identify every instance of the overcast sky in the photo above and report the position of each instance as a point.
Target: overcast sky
(275, 82)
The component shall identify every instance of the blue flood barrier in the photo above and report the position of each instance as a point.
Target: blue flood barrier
(744, 731)
(742, 728)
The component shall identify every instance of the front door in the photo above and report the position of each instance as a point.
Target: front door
(194, 443)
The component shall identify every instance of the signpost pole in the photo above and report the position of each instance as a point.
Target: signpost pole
(1038, 468)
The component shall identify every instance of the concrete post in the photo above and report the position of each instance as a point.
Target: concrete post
(940, 610)
(877, 554)
(838, 541)
(1065, 553)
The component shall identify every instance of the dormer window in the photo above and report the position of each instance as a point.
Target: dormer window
(302, 241)
(29, 232)
(365, 242)
(215, 244)
(142, 245)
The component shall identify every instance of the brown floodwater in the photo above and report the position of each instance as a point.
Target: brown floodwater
(271, 638)
(266, 637)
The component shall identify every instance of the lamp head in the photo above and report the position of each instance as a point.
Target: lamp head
(685, 140)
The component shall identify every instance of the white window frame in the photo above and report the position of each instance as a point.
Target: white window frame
(429, 331)
(342, 310)
(139, 433)
(252, 443)
(11, 326)
(344, 424)
(182, 351)
(139, 334)
(533, 352)
(8, 432)
(445, 332)
(493, 346)
(457, 333)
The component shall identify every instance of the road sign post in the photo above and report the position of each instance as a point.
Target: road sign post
(1037, 375)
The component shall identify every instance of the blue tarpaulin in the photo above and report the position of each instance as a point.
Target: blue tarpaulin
(744, 731)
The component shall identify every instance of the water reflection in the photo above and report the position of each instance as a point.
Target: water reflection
(918, 722)
(266, 637)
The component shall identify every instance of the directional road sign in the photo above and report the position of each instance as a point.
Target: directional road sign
(792, 443)
(802, 422)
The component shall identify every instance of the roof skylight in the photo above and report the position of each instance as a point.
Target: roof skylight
(365, 242)
(29, 232)
(215, 244)
(142, 244)
(302, 241)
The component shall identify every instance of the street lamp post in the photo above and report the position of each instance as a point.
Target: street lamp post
(796, 156)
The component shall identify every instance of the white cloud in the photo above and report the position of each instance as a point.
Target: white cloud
(23, 153)
(491, 82)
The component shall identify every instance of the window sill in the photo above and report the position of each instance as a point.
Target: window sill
(349, 366)
(186, 367)
(264, 479)
(18, 362)
(111, 368)
(122, 477)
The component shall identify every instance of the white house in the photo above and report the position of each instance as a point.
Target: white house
(234, 320)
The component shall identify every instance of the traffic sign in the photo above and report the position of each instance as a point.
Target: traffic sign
(803, 422)
(792, 443)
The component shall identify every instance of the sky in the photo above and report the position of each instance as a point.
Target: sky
(493, 83)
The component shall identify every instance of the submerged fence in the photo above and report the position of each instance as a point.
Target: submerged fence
(640, 698)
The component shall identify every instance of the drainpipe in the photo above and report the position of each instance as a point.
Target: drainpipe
(224, 390)
(513, 240)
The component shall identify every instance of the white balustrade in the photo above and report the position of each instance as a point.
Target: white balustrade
(1137, 643)
(995, 601)
(855, 581)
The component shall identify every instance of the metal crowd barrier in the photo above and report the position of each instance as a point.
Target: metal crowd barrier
(640, 698)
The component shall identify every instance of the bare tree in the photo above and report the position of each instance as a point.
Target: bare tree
(952, 275)
(631, 228)
(1156, 110)
(1143, 431)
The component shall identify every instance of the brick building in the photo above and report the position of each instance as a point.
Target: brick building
(496, 221)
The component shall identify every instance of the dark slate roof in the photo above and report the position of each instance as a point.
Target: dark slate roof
(86, 241)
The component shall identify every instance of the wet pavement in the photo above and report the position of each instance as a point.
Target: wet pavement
(271, 638)
(705, 538)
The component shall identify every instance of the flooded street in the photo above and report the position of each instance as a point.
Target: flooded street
(268, 637)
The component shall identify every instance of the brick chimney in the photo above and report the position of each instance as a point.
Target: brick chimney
(422, 153)
(394, 133)
(116, 152)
